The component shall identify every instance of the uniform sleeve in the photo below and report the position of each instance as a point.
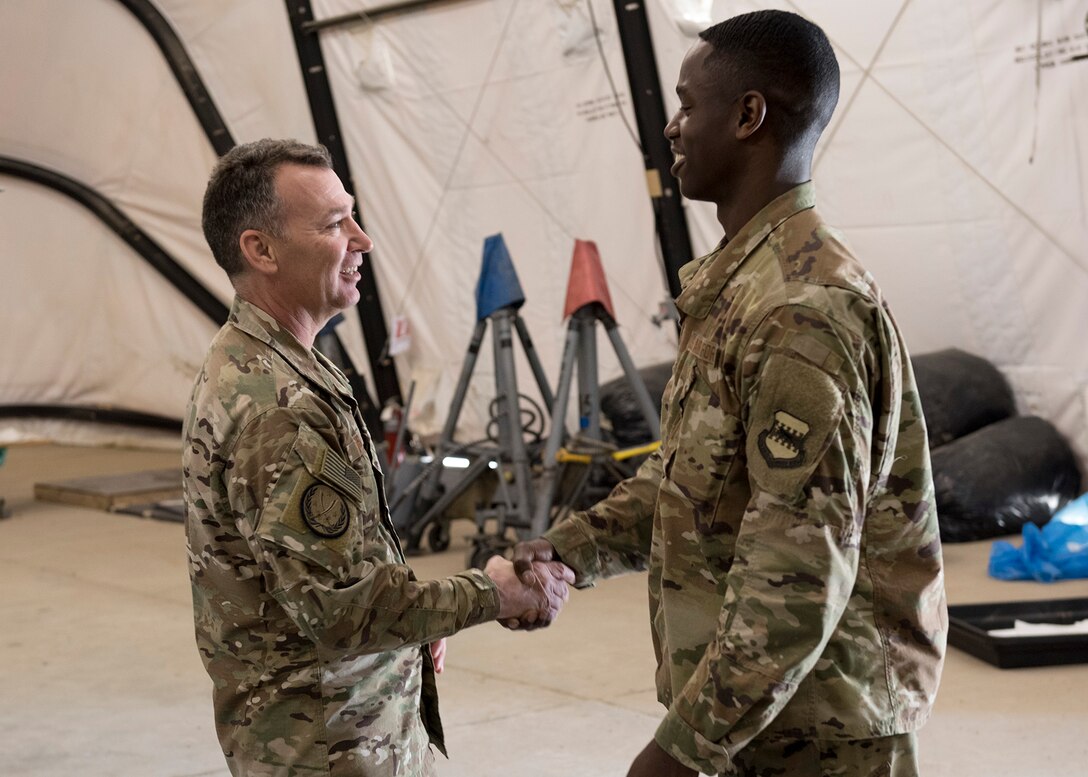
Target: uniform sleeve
(808, 430)
(312, 519)
(613, 536)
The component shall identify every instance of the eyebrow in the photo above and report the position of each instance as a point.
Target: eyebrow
(333, 213)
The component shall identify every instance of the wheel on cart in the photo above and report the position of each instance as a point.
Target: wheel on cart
(483, 548)
(438, 536)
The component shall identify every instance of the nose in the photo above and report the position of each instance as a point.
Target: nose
(672, 129)
(360, 241)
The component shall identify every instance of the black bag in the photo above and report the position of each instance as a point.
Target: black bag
(996, 479)
(621, 408)
(960, 393)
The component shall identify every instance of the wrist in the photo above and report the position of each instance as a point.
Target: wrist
(480, 594)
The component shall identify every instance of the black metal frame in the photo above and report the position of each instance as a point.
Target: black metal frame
(120, 224)
(642, 72)
(645, 82)
(374, 14)
(670, 220)
(327, 125)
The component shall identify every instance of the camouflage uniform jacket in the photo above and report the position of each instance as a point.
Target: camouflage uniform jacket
(307, 618)
(796, 587)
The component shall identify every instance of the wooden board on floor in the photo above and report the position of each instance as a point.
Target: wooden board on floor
(106, 492)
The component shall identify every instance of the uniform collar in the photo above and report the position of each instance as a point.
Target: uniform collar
(703, 279)
(308, 362)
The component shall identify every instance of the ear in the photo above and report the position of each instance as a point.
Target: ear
(752, 113)
(259, 253)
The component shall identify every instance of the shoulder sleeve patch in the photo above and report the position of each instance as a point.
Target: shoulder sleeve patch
(783, 443)
(318, 493)
(324, 511)
(795, 410)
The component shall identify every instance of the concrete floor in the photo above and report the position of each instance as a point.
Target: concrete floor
(100, 676)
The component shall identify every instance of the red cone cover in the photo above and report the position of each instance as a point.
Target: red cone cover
(587, 283)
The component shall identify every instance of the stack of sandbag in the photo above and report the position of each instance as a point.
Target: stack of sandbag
(993, 471)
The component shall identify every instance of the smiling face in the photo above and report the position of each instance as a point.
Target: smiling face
(320, 246)
(702, 133)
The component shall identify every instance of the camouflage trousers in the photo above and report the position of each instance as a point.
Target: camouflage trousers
(895, 756)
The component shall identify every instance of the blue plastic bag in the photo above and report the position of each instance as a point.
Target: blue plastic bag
(1058, 551)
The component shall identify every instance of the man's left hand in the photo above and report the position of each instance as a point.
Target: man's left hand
(654, 762)
(438, 653)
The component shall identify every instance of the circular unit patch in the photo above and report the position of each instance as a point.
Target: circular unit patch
(324, 511)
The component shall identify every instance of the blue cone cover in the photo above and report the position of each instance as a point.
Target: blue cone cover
(498, 286)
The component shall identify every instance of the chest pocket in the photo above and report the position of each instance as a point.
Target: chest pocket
(672, 400)
(703, 440)
(322, 508)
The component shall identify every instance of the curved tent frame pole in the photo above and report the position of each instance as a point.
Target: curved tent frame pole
(215, 128)
(155, 255)
(120, 224)
(93, 414)
(185, 72)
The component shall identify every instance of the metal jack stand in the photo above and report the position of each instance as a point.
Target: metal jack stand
(588, 303)
(498, 297)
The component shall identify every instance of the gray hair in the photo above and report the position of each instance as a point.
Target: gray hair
(241, 194)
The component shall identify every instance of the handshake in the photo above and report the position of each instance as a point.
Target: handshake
(532, 588)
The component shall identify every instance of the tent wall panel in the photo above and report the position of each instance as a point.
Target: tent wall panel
(137, 343)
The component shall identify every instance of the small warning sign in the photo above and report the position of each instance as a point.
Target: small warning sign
(1060, 50)
(599, 107)
(400, 339)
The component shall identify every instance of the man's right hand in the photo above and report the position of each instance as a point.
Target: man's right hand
(531, 558)
(529, 552)
(532, 600)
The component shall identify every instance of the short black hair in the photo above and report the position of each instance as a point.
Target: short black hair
(241, 194)
(787, 59)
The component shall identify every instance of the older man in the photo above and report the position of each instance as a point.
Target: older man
(320, 642)
(788, 518)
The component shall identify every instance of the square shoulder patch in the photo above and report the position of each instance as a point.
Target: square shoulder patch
(797, 408)
(318, 495)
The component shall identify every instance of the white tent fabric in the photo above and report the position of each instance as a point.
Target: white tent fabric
(499, 130)
(955, 164)
(85, 93)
